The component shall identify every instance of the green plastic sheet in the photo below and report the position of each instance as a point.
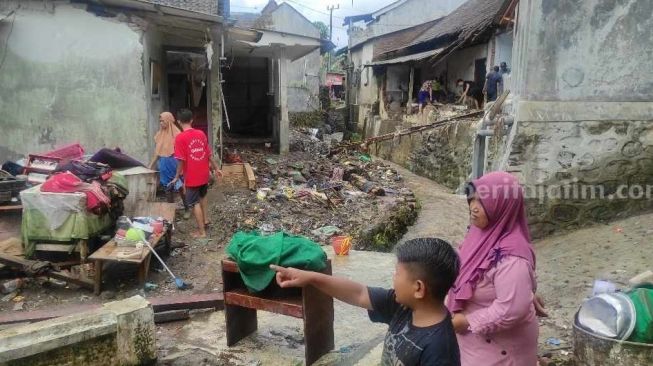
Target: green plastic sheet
(254, 253)
(643, 299)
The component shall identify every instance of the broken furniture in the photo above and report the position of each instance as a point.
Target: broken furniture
(42, 268)
(142, 183)
(308, 303)
(111, 252)
(238, 176)
(59, 222)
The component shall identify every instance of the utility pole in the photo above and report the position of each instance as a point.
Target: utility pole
(331, 8)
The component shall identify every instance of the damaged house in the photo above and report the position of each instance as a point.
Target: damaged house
(464, 44)
(99, 72)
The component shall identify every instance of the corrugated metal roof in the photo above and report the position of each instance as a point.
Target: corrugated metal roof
(410, 58)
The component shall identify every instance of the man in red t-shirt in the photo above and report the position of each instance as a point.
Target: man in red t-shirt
(195, 164)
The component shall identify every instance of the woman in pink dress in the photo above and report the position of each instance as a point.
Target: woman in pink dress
(493, 297)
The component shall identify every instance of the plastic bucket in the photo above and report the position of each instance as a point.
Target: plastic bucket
(341, 244)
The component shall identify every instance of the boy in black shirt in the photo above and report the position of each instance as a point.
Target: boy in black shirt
(420, 332)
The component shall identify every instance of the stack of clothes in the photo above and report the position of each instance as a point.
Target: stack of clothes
(105, 190)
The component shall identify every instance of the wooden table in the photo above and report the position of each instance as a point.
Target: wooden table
(111, 252)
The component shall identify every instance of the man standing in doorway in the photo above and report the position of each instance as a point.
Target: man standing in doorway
(196, 164)
(492, 82)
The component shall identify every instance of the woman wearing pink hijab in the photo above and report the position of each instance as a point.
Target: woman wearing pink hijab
(493, 298)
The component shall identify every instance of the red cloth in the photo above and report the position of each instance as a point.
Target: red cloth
(192, 147)
(67, 182)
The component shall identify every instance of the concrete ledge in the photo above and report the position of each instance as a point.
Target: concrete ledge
(126, 326)
(32, 339)
(556, 111)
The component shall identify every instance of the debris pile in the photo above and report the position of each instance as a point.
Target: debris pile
(310, 193)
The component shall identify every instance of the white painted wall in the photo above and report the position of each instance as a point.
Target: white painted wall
(288, 20)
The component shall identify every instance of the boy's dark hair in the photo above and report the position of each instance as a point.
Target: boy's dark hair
(433, 261)
(496, 68)
(185, 116)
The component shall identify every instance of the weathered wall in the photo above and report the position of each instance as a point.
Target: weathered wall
(583, 109)
(304, 83)
(70, 76)
(460, 64)
(442, 154)
(288, 20)
(153, 51)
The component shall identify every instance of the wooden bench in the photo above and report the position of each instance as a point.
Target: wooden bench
(308, 303)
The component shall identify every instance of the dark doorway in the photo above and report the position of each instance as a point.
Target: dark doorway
(187, 74)
(480, 71)
(247, 95)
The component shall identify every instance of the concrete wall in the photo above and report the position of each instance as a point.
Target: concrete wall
(442, 154)
(119, 333)
(304, 83)
(70, 76)
(460, 64)
(583, 108)
(153, 51)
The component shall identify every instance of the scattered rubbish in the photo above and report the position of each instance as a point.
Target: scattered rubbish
(149, 286)
(603, 287)
(341, 245)
(326, 232)
(12, 285)
(19, 306)
(262, 193)
(365, 158)
(268, 145)
(618, 229)
(9, 297)
(271, 161)
(551, 341)
(266, 229)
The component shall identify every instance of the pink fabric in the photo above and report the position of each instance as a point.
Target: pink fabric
(503, 324)
(507, 234)
(67, 182)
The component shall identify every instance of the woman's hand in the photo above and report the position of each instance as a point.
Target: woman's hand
(460, 323)
(539, 306)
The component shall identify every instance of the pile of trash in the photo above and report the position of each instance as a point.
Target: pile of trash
(307, 192)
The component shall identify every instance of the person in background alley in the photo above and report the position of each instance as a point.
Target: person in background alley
(492, 82)
(505, 77)
(469, 93)
(493, 298)
(193, 152)
(425, 96)
(164, 159)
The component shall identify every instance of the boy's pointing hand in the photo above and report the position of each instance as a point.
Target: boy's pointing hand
(291, 277)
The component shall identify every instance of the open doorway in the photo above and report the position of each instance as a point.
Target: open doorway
(188, 77)
(249, 99)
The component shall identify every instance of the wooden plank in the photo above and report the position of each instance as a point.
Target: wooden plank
(191, 302)
(318, 322)
(251, 178)
(171, 316)
(57, 247)
(11, 208)
(159, 305)
(156, 209)
(229, 266)
(290, 306)
(22, 263)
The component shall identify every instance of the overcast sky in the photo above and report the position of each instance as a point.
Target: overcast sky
(317, 10)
